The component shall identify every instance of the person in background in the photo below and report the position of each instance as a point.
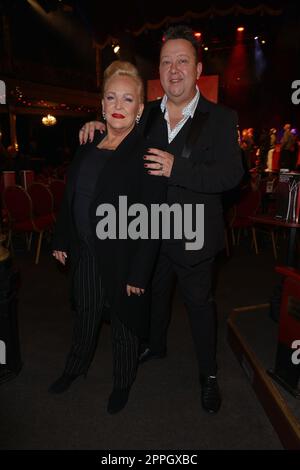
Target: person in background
(272, 144)
(287, 148)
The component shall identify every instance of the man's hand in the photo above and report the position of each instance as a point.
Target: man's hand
(87, 131)
(134, 290)
(161, 162)
(60, 256)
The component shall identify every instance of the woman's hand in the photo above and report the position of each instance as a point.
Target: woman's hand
(134, 290)
(160, 162)
(87, 131)
(60, 256)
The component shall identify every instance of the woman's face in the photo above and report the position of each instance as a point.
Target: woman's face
(121, 102)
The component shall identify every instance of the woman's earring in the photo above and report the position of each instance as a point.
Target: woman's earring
(103, 115)
(137, 119)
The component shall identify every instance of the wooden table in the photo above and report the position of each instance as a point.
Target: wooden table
(292, 226)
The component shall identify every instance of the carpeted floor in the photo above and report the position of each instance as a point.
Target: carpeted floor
(164, 410)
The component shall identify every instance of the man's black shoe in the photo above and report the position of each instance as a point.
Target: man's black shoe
(210, 394)
(62, 384)
(147, 355)
(117, 400)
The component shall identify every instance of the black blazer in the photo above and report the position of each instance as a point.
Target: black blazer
(121, 261)
(207, 163)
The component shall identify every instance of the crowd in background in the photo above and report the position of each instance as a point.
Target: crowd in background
(258, 151)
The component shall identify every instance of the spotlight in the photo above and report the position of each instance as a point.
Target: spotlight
(256, 37)
(263, 41)
(116, 49)
(240, 29)
(206, 48)
(198, 35)
(49, 120)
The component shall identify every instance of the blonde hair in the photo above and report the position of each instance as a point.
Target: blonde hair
(124, 68)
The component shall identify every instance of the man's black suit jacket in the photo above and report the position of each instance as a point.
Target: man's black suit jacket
(207, 163)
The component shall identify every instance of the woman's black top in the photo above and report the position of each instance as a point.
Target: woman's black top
(90, 169)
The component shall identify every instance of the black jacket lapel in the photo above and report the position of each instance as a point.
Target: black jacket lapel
(198, 121)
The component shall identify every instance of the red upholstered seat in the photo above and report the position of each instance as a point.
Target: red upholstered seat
(21, 218)
(42, 200)
(248, 205)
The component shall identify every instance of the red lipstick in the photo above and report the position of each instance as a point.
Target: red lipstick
(118, 116)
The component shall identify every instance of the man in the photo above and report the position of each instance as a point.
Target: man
(287, 149)
(272, 145)
(194, 143)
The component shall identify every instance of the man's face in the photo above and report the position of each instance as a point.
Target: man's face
(179, 70)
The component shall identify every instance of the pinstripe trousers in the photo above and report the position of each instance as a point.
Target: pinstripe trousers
(89, 300)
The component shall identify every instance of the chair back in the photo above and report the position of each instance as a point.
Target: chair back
(249, 203)
(57, 188)
(268, 191)
(42, 199)
(18, 203)
(27, 178)
(9, 178)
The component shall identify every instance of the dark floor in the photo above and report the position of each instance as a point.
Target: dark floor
(260, 333)
(164, 409)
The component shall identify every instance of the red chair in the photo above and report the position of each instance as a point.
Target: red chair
(27, 178)
(9, 178)
(57, 188)
(248, 205)
(21, 219)
(268, 191)
(42, 200)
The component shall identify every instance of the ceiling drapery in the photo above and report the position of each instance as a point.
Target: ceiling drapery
(157, 17)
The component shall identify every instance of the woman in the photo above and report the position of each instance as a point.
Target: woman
(113, 271)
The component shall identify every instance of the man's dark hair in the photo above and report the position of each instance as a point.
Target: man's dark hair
(182, 32)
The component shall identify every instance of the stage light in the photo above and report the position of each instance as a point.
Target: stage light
(240, 29)
(263, 41)
(49, 120)
(198, 35)
(116, 49)
(256, 37)
(206, 48)
(260, 60)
